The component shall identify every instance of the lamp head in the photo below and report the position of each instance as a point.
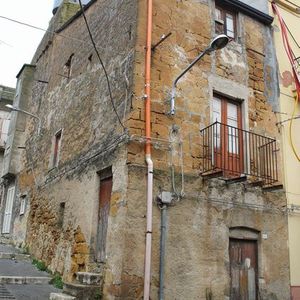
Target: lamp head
(219, 42)
(9, 106)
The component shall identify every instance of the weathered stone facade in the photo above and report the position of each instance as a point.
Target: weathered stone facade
(64, 201)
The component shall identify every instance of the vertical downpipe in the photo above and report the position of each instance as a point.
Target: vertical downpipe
(162, 251)
(147, 272)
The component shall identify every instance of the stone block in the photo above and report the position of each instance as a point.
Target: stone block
(82, 291)
(89, 278)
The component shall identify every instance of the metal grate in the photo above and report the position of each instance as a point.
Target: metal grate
(4, 293)
(238, 152)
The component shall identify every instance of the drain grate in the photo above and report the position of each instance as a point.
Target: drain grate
(4, 293)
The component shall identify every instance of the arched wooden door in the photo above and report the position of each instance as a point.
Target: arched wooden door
(243, 269)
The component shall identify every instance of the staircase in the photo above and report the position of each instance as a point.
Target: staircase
(88, 286)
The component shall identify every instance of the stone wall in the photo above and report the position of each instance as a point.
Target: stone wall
(198, 226)
(64, 199)
(70, 94)
(197, 242)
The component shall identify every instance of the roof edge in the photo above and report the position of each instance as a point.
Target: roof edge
(78, 14)
(249, 11)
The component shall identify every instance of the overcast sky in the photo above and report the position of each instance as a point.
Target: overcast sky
(18, 42)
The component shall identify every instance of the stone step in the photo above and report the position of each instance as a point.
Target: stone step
(5, 240)
(82, 291)
(60, 296)
(88, 278)
(14, 256)
(23, 280)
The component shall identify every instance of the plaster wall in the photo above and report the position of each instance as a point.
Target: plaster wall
(291, 163)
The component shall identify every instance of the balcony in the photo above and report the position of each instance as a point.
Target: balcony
(235, 153)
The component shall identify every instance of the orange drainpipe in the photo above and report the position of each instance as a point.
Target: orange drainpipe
(147, 272)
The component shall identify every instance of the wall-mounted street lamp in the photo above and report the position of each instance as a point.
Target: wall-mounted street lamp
(13, 108)
(217, 43)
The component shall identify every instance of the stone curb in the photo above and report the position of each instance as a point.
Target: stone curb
(23, 280)
(60, 296)
(14, 256)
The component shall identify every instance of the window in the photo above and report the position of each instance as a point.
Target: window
(227, 138)
(225, 21)
(22, 204)
(68, 67)
(56, 148)
(61, 214)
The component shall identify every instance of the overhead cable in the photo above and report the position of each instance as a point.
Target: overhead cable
(42, 29)
(102, 64)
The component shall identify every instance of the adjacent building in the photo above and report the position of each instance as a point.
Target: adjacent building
(288, 124)
(199, 214)
(6, 97)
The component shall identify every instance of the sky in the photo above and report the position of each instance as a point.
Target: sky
(18, 42)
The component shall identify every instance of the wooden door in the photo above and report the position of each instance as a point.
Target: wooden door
(8, 210)
(104, 206)
(228, 144)
(243, 269)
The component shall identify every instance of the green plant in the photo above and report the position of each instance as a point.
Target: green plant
(57, 281)
(98, 295)
(39, 264)
(25, 250)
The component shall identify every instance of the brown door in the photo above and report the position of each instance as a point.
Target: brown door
(228, 144)
(243, 269)
(104, 206)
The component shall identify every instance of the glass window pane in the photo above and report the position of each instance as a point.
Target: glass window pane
(229, 25)
(233, 140)
(217, 117)
(229, 22)
(218, 14)
(230, 34)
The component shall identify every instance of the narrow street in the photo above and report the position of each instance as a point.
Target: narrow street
(20, 279)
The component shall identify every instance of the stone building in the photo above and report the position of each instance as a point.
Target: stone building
(6, 97)
(209, 184)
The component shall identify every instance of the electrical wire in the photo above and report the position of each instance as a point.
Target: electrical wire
(290, 129)
(6, 44)
(291, 58)
(292, 3)
(244, 205)
(42, 29)
(114, 144)
(294, 39)
(102, 64)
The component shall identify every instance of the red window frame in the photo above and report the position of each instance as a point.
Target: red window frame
(224, 11)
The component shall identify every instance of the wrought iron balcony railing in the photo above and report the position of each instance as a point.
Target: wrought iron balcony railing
(236, 152)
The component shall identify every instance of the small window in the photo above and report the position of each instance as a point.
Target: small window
(56, 148)
(61, 214)
(68, 67)
(22, 204)
(225, 22)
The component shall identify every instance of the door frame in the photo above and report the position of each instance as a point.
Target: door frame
(223, 152)
(103, 176)
(255, 242)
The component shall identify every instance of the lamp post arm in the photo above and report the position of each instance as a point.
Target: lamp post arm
(27, 113)
(173, 93)
(31, 115)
